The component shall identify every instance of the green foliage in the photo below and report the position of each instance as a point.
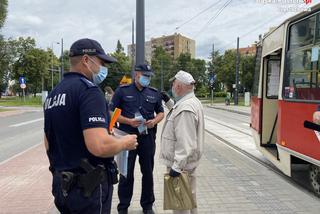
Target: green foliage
(3, 11)
(34, 65)
(117, 70)
(220, 94)
(161, 61)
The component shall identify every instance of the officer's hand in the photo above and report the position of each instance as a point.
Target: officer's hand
(130, 141)
(174, 173)
(150, 124)
(165, 96)
(135, 123)
(316, 117)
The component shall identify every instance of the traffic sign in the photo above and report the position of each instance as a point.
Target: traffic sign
(23, 86)
(22, 80)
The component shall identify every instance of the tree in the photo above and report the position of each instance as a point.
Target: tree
(3, 15)
(247, 67)
(34, 66)
(3, 11)
(161, 61)
(11, 51)
(118, 69)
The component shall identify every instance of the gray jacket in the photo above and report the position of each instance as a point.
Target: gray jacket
(183, 134)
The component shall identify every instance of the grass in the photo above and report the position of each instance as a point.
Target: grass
(2, 110)
(19, 101)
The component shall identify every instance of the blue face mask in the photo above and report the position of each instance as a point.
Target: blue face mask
(144, 81)
(99, 77)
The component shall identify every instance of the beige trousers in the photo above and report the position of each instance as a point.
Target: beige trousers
(192, 179)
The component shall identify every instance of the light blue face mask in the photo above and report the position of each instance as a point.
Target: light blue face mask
(144, 81)
(99, 77)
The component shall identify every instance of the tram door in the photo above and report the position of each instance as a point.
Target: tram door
(271, 82)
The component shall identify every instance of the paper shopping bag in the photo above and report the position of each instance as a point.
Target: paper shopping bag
(177, 193)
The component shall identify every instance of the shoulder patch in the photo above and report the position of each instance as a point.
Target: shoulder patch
(152, 88)
(88, 83)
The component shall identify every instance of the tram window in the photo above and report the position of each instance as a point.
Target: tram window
(302, 76)
(302, 33)
(255, 86)
(273, 79)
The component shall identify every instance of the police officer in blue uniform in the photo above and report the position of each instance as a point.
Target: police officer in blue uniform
(141, 110)
(79, 147)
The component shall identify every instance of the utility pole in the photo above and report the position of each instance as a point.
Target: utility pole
(133, 52)
(237, 74)
(52, 63)
(212, 73)
(140, 32)
(62, 63)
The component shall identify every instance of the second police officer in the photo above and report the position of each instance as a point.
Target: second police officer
(141, 111)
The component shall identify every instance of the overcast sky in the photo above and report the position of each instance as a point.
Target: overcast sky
(109, 20)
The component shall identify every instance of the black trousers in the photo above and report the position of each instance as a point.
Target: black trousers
(75, 202)
(145, 151)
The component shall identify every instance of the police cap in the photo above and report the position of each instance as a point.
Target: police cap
(144, 68)
(90, 47)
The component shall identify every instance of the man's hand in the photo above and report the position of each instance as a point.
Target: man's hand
(316, 117)
(130, 142)
(165, 96)
(150, 124)
(174, 173)
(134, 122)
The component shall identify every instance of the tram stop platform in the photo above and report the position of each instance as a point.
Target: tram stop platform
(228, 182)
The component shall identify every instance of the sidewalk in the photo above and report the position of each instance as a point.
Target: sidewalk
(228, 182)
(245, 110)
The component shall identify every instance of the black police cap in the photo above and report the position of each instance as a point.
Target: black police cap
(90, 47)
(145, 68)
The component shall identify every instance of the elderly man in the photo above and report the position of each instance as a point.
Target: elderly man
(183, 132)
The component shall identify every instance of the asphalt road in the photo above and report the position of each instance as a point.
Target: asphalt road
(19, 133)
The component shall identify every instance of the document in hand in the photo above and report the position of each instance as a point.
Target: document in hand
(122, 157)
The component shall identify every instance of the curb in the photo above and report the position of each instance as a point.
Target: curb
(230, 110)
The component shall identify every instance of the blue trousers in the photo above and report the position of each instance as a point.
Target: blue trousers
(99, 201)
(145, 151)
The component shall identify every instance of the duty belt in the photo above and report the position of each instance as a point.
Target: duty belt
(90, 180)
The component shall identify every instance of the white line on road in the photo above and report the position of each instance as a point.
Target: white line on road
(25, 123)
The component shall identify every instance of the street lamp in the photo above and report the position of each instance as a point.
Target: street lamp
(52, 63)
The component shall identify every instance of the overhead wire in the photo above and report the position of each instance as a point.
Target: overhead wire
(212, 19)
(198, 14)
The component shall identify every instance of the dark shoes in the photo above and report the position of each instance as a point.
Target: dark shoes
(148, 212)
(144, 212)
(122, 211)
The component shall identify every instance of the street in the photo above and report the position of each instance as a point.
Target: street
(20, 132)
(229, 181)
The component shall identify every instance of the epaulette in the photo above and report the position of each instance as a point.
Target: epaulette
(154, 89)
(88, 83)
(124, 85)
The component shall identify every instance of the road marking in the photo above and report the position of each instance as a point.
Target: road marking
(27, 122)
(20, 153)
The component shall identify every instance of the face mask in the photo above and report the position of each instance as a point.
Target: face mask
(98, 78)
(144, 81)
(175, 96)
